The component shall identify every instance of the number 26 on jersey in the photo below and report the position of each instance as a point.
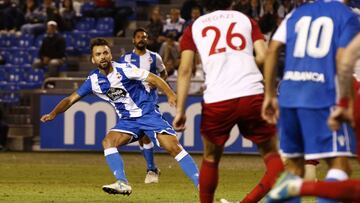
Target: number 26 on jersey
(230, 35)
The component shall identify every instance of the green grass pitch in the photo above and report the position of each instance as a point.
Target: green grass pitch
(78, 177)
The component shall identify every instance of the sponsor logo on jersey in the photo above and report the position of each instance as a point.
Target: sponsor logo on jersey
(115, 93)
(304, 76)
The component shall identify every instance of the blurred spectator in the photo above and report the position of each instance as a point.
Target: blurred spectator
(170, 53)
(77, 7)
(174, 25)
(195, 13)
(104, 8)
(121, 17)
(4, 4)
(4, 129)
(284, 8)
(244, 6)
(268, 21)
(35, 19)
(187, 7)
(52, 51)
(250, 8)
(13, 18)
(68, 15)
(154, 29)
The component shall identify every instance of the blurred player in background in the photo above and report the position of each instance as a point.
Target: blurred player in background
(226, 40)
(121, 84)
(315, 35)
(142, 58)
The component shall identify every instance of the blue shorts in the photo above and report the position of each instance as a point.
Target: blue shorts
(304, 132)
(151, 124)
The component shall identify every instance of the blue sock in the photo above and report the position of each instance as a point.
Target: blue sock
(148, 152)
(333, 175)
(115, 163)
(188, 165)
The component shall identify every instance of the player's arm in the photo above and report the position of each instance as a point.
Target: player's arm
(163, 86)
(260, 48)
(164, 74)
(345, 68)
(160, 66)
(183, 84)
(270, 111)
(61, 107)
(346, 59)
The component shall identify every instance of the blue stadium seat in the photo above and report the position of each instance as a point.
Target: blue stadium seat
(20, 57)
(82, 42)
(6, 53)
(85, 24)
(70, 48)
(35, 77)
(38, 41)
(105, 26)
(25, 41)
(8, 40)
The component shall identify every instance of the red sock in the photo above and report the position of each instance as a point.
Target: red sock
(208, 181)
(274, 166)
(348, 190)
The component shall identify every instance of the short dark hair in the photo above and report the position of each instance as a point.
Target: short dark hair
(98, 42)
(212, 5)
(140, 29)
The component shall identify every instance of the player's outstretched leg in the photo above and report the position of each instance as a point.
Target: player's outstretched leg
(116, 164)
(152, 172)
(274, 167)
(187, 164)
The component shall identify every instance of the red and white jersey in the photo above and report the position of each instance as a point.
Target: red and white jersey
(224, 40)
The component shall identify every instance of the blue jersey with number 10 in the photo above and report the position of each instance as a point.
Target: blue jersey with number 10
(312, 34)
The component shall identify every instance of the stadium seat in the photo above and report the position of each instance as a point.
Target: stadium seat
(85, 24)
(82, 42)
(20, 57)
(35, 78)
(25, 41)
(69, 39)
(105, 26)
(38, 41)
(6, 53)
(8, 40)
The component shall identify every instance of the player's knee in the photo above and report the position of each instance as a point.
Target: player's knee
(146, 140)
(107, 143)
(174, 149)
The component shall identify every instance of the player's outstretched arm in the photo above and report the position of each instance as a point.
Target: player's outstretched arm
(62, 106)
(346, 60)
(183, 83)
(163, 86)
(270, 109)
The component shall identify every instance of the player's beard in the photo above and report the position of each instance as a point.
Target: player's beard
(104, 65)
(141, 45)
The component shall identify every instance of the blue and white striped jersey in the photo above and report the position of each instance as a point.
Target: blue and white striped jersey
(150, 61)
(122, 88)
(313, 33)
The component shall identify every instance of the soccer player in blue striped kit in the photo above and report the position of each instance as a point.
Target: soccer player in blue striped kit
(121, 84)
(315, 35)
(152, 62)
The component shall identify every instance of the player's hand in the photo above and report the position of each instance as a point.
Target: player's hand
(179, 122)
(172, 100)
(47, 117)
(338, 116)
(270, 110)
